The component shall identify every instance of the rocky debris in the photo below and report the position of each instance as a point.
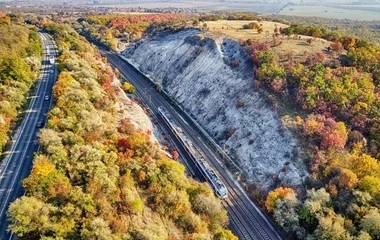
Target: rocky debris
(213, 81)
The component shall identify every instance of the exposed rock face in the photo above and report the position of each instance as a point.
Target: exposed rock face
(213, 81)
(132, 111)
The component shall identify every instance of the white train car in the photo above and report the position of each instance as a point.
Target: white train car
(207, 172)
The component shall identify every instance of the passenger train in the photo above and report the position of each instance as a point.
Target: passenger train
(206, 171)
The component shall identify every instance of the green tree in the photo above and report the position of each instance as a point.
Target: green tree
(370, 184)
(371, 223)
(276, 194)
(268, 72)
(286, 214)
(225, 235)
(30, 217)
(363, 236)
(97, 229)
(332, 228)
(316, 202)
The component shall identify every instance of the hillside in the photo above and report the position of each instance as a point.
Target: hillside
(99, 175)
(212, 79)
(331, 96)
(298, 110)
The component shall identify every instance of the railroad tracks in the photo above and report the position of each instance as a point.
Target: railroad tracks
(247, 220)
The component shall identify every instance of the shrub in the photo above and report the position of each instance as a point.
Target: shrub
(129, 88)
(239, 103)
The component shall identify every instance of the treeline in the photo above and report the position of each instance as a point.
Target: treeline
(20, 61)
(341, 131)
(228, 16)
(346, 42)
(112, 30)
(366, 30)
(100, 178)
(109, 30)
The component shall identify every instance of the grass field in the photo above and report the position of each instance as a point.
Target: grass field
(235, 29)
(295, 46)
(344, 12)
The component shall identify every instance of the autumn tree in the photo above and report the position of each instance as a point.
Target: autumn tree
(174, 154)
(326, 131)
(129, 88)
(331, 227)
(370, 184)
(273, 196)
(20, 61)
(347, 179)
(97, 176)
(337, 47)
(286, 213)
(371, 223)
(46, 182)
(225, 235)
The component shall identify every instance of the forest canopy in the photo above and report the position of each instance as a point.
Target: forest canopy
(334, 95)
(98, 178)
(337, 92)
(20, 61)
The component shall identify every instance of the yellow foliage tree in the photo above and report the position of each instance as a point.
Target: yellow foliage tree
(347, 179)
(62, 83)
(138, 140)
(46, 179)
(42, 166)
(278, 193)
(370, 184)
(225, 235)
(129, 88)
(108, 35)
(364, 165)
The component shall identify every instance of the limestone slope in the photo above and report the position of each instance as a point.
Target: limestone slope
(213, 81)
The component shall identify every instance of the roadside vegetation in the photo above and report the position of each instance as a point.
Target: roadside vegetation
(129, 88)
(98, 178)
(20, 62)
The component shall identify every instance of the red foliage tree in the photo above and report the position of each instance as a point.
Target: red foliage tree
(326, 131)
(337, 47)
(123, 144)
(174, 154)
(254, 48)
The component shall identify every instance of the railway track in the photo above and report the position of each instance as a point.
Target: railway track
(246, 219)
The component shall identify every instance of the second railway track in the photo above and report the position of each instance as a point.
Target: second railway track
(247, 220)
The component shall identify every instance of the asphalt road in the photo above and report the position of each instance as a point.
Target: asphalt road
(247, 221)
(18, 163)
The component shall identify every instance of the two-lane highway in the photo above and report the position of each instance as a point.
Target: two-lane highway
(246, 219)
(17, 164)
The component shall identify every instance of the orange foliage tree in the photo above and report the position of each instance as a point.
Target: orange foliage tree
(273, 196)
